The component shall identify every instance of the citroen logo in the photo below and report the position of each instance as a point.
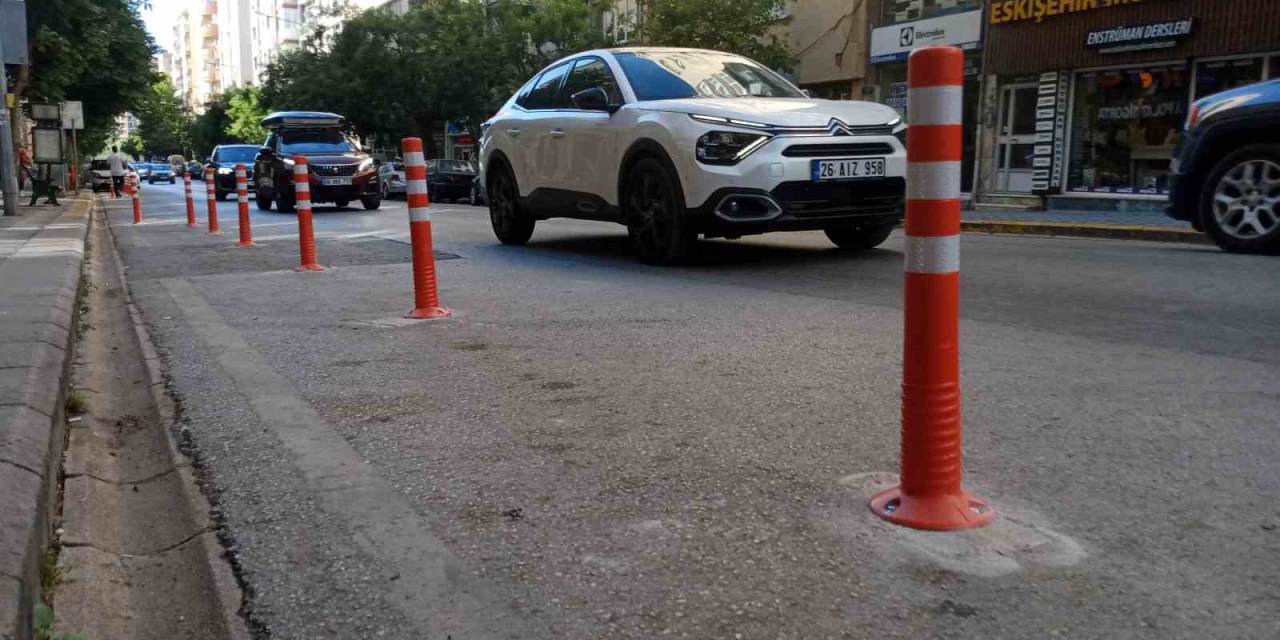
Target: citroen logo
(838, 128)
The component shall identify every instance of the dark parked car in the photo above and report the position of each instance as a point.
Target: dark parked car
(224, 159)
(196, 170)
(340, 171)
(450, 179)
(160, 172)
(1225, 178)
(477, 194)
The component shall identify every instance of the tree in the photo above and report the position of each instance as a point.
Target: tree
(444, 60)
(96, 51)
(245, 113)
(737, 26)
(210, 128)
(164, 127)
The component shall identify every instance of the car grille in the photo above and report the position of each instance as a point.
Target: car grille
(333, 169)
(817, 199)
(838, 150)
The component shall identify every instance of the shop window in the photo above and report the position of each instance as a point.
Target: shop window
(1220, 75)
(1124, 127)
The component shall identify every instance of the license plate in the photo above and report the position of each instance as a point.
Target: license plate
(335, 182)
(847, 169)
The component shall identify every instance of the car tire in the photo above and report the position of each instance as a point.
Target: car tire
(654, 210)
(173, 180)
(263, 202)
(285, 202)
(1240, 201)
(384, 192)
(510, 224)
(371, 203)
(341, 204)
(855, 237)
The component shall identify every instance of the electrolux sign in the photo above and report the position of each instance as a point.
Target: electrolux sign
(895, 42)
(1159, 35)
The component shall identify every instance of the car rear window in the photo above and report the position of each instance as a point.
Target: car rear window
(454, 166)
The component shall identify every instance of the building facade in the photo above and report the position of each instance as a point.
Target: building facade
(829, 40)
(1085, 99)
(898, 27)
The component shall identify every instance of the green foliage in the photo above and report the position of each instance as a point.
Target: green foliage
(164, 126)
(245, 113)
(97, 51)
(445, 60)
(210, 127)
(737, 26)
(42, 620)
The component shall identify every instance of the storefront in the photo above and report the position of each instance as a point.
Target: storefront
(891, 44)
(1087, 98)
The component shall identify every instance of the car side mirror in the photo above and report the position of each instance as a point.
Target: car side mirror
(593, 99)
(266, 151)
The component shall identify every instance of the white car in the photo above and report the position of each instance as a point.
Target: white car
(674, 143)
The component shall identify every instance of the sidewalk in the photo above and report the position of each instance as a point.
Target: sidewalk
(1126, 225)
(41, 251)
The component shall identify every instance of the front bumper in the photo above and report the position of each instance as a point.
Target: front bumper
(1184, 180)
(778, 177)
(227, 182)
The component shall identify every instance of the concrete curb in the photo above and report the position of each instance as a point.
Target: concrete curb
(39, 287)
(225, 588)
(1086, 230)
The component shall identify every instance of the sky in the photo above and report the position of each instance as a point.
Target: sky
(160, 19)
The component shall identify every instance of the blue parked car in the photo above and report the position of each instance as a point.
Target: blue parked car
(160, 172)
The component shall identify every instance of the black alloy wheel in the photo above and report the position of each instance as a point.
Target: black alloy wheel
(510, 224)
(655, 213)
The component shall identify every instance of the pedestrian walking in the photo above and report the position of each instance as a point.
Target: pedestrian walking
(119, 167)
(24, 167)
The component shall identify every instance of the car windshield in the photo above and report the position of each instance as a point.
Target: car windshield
(100, 165)
(315, 141)
(454, 166)
(236, 154)
(160, 167)
(667, 75)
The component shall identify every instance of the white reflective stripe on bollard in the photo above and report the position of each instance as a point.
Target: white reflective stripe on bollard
(419, 214)
(414, 158)
(416, 186)
(934, 106)
(932, 254)
(933, 180)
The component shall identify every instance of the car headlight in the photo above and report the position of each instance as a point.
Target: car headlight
(223, 171)
(728, 147)
(287, 162)
(365, 165)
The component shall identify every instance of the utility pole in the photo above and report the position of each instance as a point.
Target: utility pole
(8, 167)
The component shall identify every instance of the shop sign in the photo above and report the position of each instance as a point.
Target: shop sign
(1038, 10)
(1051, 125)
(897, 96)
(1159, 35)
(895, 42)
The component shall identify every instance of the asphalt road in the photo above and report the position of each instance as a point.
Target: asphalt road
(592, 447)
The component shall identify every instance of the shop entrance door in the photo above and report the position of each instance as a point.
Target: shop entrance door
(1016, 142)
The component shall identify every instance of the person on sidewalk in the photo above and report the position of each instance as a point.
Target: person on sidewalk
(119, 166)
(24, 167)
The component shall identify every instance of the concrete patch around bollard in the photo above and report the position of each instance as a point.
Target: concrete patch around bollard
(1017, 539)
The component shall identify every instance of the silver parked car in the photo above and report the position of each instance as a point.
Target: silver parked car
(391, 179)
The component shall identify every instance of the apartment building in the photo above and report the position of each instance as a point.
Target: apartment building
(829, 41)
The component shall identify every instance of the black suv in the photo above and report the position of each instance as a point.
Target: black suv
(339, 169)
(223, 161)
(1225, 178)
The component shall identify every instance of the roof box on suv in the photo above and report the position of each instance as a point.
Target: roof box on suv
(302, 119)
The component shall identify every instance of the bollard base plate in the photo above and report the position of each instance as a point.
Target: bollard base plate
(308, 267)
(429, 313)
(935, 513)
(245, 244)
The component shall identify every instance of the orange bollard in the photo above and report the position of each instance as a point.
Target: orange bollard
(302, 203)
(426, 299)
(191, 205)
(242, 198)
(930, 495)
(211, 191)
(137, 202)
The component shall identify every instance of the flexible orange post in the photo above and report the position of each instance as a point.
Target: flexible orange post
(930, 495)
(191, 205)
(426, 298)
(242, 200)
(211, 192)
(302, 198)
(137, 201)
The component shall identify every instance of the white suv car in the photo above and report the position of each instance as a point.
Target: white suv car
(679, 142)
